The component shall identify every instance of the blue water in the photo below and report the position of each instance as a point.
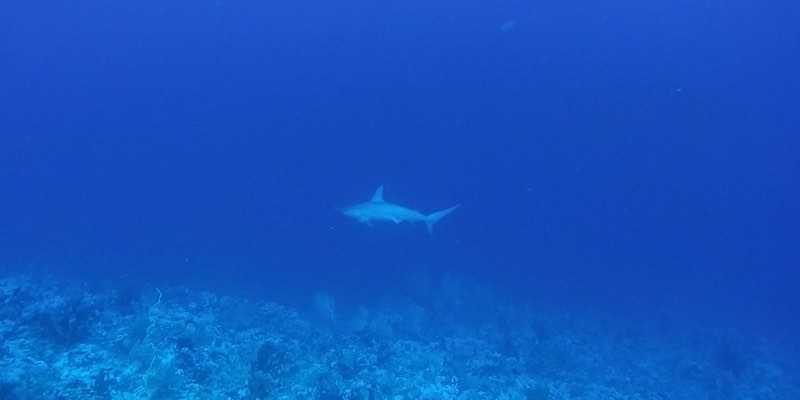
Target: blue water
(636, 159)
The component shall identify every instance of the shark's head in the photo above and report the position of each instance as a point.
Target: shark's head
(349, 211)
(361, 211)
(356, 212)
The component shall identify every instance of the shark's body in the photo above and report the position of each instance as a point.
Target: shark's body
(376, 209)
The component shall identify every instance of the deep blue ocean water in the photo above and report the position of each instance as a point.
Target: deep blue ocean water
(637, 158)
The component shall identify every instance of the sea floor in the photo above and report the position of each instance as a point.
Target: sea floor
(69, 341)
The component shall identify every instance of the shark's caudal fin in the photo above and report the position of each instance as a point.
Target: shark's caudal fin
(435, 217)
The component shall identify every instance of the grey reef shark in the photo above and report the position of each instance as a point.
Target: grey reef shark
(377, 209)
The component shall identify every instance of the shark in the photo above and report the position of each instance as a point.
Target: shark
(377, 209)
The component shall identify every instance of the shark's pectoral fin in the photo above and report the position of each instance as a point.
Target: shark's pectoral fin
(397, 220)
(365, 221)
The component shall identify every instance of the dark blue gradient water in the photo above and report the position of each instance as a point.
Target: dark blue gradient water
(642, 158)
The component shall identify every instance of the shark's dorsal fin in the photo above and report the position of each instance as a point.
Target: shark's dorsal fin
(378, 196)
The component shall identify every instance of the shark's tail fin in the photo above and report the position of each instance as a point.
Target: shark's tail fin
(435, 217)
